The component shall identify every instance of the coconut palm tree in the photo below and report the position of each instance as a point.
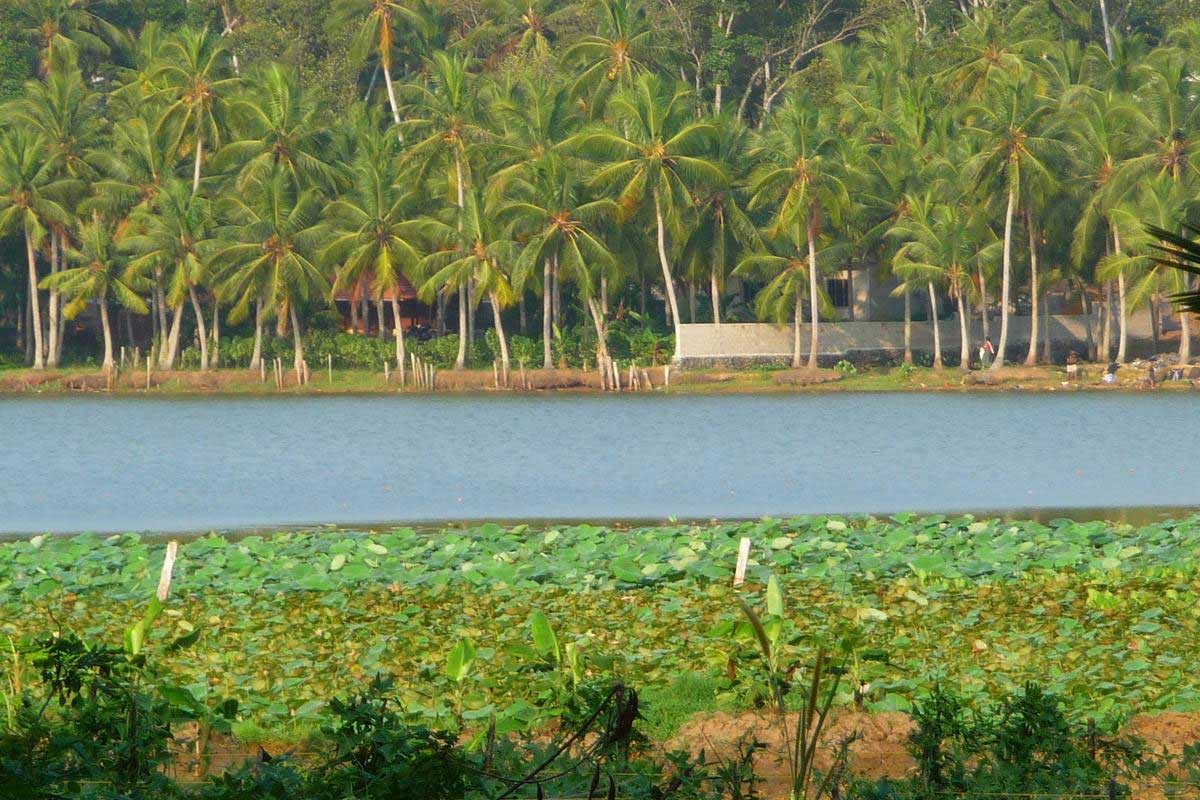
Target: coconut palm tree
(1104, 128)
(1014, 155)
(532, 119)
(279, 127)
(1162, 203)
(939, 248)
(786, 268)
(101, 273)
(444, 126)
(77, 26)
(472, 250)
(720, 229)
(67, 116)
(133, 168)
(802, 174)
(198, 80)
(374, 233)
(561, 225)
(264, 250)
(621, 49)
(376, 24)
(30, 204)
(523, 28)
(988, 53)
(164, 239)
(654, 149)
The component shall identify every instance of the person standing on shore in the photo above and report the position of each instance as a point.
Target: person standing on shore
(986, 352)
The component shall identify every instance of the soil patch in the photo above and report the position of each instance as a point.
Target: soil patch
(805, 377)
(879, 749)
(877, 752)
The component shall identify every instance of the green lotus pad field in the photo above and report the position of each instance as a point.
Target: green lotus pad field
(1105, 615)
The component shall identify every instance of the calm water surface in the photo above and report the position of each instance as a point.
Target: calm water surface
(105, 464)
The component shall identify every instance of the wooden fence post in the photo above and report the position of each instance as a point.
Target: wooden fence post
(164, 578)
(739, 573)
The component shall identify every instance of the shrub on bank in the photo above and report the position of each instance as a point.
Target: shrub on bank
(574, 348)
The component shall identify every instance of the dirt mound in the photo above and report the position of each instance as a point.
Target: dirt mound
(25, 381)
(805, 377)
(1167, 732)
(878, 749)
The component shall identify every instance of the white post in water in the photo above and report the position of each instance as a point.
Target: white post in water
(739, 574)
(164, 579)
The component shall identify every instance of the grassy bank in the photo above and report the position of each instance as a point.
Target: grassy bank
(242, 382)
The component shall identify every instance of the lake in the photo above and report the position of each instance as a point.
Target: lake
(116, 464)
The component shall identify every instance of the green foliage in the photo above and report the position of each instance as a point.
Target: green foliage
(1020, 744)
(1000, 603)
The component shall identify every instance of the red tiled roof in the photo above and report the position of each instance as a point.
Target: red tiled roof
(355, 293)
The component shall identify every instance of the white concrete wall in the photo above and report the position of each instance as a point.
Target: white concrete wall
(734, 343)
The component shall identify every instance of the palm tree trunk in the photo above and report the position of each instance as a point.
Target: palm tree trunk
(199, 158)
(1106, 335)
(547, 312)
(601, 331)
(464, 332)
(1155, 320)
(399, 338)
(499, 323)
(668, 281)
(1047, 339)
(297, 339)
(691, 301)
(908, 355)
(1031, 356)
(391, 90)
(39, 361)
(983, 305)
(472, 309)
(1087, 323)
(556, 312)
(1006, 284)
(170, 352)
(814, 309)
(52, 348)
(382, 332)
(256, 357)
(1124, 327)
(28, 338)
(160, 298)
(1108, 42)
(964, 341)
(1185, 337)
(108, 342)
(1123, 340)
(937, 332)
(200, 328)
(216, 334)
(460, 360)
(61, 333)
(797, 321)
(715, 290)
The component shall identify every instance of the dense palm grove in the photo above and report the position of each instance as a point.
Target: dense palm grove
(241, 163)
